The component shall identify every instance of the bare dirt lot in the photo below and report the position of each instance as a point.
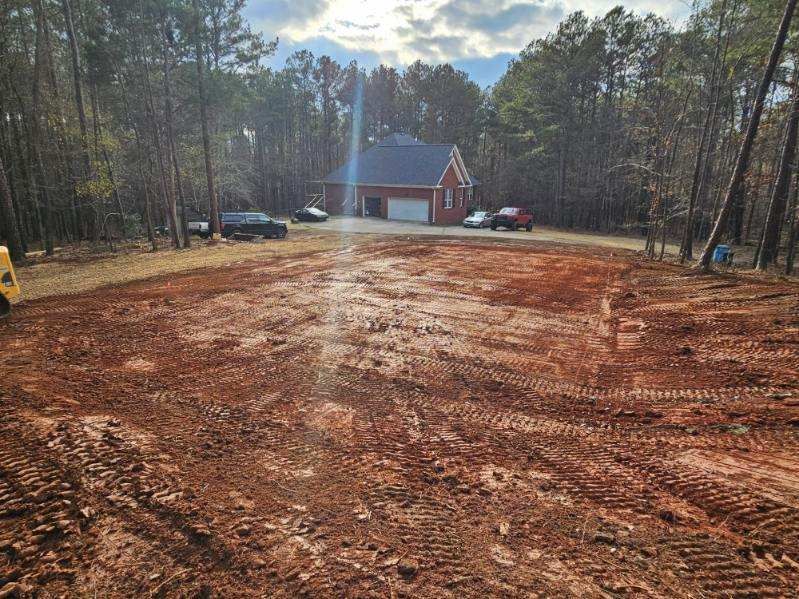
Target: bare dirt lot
(405, 418)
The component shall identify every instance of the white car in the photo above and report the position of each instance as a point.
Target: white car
(478, 220)
(199, 227)
(310, 215)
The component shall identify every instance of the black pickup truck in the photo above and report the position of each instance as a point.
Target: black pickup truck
(251, 223)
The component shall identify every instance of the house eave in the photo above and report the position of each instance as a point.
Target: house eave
(394, 185)
(457, 154)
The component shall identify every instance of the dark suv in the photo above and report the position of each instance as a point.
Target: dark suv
(513, 218)
(251, 223)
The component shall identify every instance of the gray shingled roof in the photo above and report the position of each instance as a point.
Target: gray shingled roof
(397, 160)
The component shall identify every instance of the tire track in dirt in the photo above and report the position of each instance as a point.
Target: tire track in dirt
(392, 419)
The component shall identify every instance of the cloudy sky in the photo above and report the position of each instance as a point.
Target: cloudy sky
(479, 36)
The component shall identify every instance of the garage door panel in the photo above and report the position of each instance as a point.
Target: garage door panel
(408, 209)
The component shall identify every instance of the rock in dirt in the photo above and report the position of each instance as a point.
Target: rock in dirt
(668, 516)
(244, 531)
(605, 537)
(392, 561)
(407, 568)
(200, 531)
(10, 576)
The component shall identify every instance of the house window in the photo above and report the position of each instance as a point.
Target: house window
(448, 197)
(471, 194)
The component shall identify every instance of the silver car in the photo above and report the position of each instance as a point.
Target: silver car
(478, 220)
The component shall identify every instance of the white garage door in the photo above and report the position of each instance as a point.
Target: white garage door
(405, 209)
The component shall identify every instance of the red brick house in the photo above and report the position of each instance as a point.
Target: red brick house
(401, 178)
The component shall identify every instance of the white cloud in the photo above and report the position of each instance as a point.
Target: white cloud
(401, 31)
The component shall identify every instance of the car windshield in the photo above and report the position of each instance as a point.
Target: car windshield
(479, 214)
(508, 211)
(315, 211)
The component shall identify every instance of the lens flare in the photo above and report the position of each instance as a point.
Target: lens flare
(350, 209)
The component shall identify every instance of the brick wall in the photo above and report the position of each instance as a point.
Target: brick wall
(384, 193)
(456, 214)
(335, 195)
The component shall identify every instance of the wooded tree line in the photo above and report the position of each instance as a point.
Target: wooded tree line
(122, 116)
(117, 114)
(625, 123)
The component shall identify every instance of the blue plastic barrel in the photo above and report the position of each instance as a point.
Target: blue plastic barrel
(721, 253)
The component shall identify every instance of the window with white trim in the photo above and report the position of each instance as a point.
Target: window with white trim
(448, 197)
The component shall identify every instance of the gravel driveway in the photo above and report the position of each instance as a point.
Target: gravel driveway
(349, 224)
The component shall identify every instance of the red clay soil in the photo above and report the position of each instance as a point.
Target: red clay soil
(405, 418)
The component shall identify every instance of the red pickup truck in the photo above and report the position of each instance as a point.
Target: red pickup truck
(513, 219)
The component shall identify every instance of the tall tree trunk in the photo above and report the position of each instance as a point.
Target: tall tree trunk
(76, 74)
(35, 134)
(793, 233)
(24, 179)
(213, 203)
(779, 195)
(74, 220)
(90, 215)
(139, 156)
(706, 181)
(10, 218)
(666, 190)
(561, 181)
(101, 149)
(170, 133)
(753, 201)
(103, 209)
(686, 246)
(148, 212)
(117, 197)
(742, 162)
(166, 188)
(29, 172)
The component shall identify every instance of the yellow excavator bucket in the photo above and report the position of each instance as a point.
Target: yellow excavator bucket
(9, 287)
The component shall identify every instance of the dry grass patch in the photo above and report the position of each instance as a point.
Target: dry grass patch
(70, 273)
